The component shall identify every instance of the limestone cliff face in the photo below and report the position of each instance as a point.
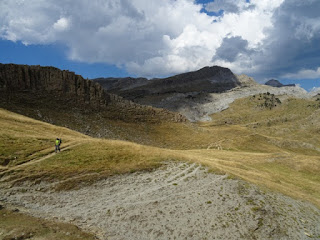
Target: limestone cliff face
(35, 79)
(23, 82)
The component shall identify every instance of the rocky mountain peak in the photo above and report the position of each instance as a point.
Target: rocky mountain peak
(276, 83)
(213, 79)
(207, 79)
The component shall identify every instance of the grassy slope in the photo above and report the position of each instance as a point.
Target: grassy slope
(102, 124)
(276, 149)
(292, 122)
(288, 136)
(24, 139)
(32, 139)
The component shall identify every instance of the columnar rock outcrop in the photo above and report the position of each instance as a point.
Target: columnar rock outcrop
(36, 79)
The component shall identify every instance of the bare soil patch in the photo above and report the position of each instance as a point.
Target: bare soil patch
(176, 201)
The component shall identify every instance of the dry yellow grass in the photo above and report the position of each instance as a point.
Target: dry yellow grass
(293, 120)
(294, 175)
(276, 148)
(23, 139)
(15, 225)
(95, 159)
(87, 158)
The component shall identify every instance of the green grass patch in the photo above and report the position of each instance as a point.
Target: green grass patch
(112, 157)
(17, 150)
(94, 160)
(16, 225)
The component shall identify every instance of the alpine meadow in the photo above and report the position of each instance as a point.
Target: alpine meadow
(147, 119)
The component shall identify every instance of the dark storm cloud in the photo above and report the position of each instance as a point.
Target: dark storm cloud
(231, 48)
(294, 41)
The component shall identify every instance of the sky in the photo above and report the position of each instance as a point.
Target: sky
(265, 39)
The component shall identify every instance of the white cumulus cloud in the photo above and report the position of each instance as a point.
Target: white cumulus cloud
(62, 24)
(156, 38)
(304, 74)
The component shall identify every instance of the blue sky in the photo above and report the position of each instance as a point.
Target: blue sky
(54, 55)
(261, 38)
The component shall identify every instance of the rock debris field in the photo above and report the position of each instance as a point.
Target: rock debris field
(176, 201)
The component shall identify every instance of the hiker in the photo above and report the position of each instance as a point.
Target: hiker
(58, 143)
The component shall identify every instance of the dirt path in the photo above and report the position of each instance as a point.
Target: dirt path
(10, 169)
(177, 201)
(71, 145)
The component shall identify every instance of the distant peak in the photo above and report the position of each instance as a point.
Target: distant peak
(276, 83)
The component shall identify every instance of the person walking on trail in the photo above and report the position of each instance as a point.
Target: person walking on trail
(58, 143)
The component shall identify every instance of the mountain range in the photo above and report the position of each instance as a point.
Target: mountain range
(192, 96)
(195, 95)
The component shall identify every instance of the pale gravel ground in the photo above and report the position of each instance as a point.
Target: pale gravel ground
(177, 201)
